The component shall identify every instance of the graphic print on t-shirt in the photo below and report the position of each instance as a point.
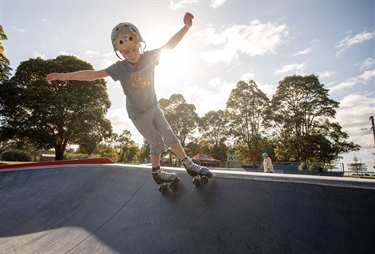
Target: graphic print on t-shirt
(139, 80)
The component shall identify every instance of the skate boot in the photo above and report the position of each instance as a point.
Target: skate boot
(162, 178)
(199, 173)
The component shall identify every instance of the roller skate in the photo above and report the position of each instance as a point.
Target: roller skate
(199, 173)
(163, 178)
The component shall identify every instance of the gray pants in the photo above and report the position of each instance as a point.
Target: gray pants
(155, 128)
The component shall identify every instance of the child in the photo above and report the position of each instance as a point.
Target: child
(136, 74)
(267, 163)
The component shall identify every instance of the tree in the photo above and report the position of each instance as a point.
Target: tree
(302, 112)
(192, 148)
(53, 114)
(126, 147)
(214, 127)
(4, 62)
(181, 116)
(247, 112)
(107, 151)
(214, 131)
(357, 166)
(144, 152)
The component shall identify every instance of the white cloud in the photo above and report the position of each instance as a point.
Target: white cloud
(217, 3)
(368, 63)
(114, 86)
(205, 101)
(216, 82)
(174, 5)
(255, 39)
(91, 53)
(38, 54)
(211, 97)
(349, 41)
(295, 68)
(367, 75)
(268, 89)
(47, 21)
(219, 55)
(348, 83)
(353, 116)
(326, 74)
(106, 60)
(247, 76)
(20, 30)
(302, 52)
(351, 102)
(64, 53)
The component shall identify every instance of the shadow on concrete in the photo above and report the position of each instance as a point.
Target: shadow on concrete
(118, 209)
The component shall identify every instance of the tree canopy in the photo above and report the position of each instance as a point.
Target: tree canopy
(53, 114)
(303, 114)
(181, 116)
(215, 132)
(4, 61)
(247, 112)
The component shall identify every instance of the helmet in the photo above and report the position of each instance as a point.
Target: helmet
(124, 36)
(264, 155)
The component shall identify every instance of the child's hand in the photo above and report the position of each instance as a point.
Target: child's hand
(54, 76)
(188, 19)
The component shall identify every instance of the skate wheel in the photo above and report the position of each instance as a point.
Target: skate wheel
(204, 180)
(173, 185)
(196, 182)
(163, 187)
(209, 175)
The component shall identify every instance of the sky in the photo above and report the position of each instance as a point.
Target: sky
(230, 40)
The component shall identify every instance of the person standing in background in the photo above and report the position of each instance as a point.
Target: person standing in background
(267, 164)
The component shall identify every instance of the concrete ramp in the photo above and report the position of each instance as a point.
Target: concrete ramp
(118, 209)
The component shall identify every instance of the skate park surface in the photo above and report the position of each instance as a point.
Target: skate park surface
(116, 208)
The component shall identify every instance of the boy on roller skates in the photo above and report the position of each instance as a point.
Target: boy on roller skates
(136, 75)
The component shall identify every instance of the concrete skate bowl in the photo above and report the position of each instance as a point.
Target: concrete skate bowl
(118, 209)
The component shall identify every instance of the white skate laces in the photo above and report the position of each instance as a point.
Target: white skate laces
(160, 176)
(191, 166)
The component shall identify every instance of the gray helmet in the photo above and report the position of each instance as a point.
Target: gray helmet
(124, 36)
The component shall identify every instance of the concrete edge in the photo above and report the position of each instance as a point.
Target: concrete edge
(218, 173)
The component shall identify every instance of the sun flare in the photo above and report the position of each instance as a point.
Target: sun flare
(173, 71)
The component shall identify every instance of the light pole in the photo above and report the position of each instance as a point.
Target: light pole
(373, 129)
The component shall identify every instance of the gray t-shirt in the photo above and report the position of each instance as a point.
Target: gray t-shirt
(137, 82)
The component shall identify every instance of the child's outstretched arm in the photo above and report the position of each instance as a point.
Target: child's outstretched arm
(188, 21)
(87, 75)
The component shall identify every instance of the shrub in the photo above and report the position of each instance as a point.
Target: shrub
(15, 155)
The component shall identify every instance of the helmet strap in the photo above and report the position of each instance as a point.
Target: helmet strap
(118, 56)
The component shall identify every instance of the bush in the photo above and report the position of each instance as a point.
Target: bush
(15, 155)
(73, 156)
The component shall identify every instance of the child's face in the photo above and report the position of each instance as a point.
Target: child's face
(132, 54)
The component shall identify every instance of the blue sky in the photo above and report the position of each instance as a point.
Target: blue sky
(229, 41)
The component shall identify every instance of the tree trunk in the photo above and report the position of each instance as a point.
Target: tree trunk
(60, 149)
(59, 153)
